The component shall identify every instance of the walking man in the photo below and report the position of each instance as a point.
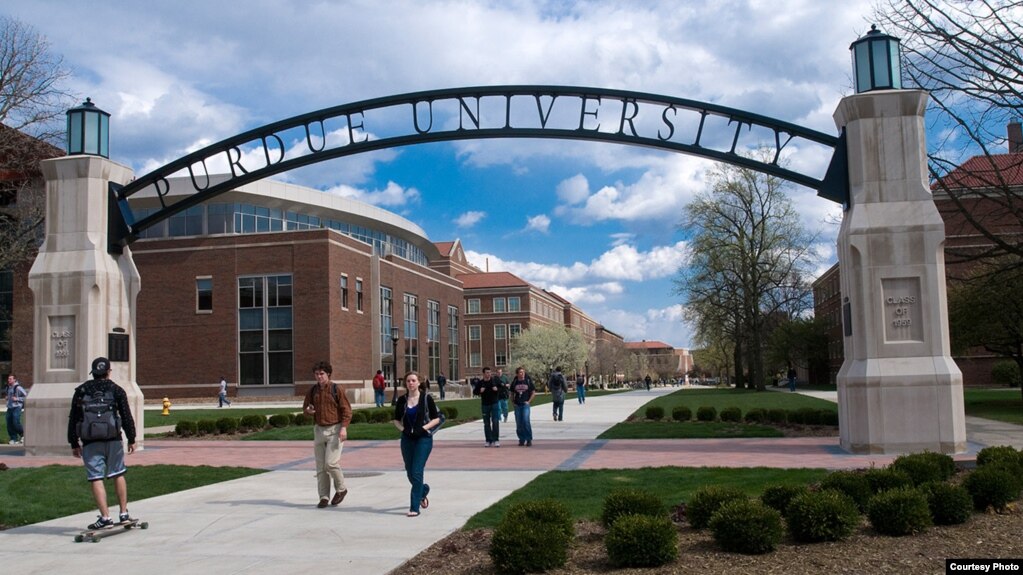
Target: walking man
(223, 393)
(99, 411)
(332, 413)
(490, 389)
(792, 378)
(502, 397)
(441, 382)
(558, 386)
(379, 387)
(523, 392)
(15, 405)
(580, 388)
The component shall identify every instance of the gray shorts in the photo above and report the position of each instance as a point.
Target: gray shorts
(103, 459)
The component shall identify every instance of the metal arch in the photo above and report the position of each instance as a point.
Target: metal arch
(124, 229)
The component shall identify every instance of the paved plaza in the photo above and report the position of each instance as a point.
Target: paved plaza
(269, 522)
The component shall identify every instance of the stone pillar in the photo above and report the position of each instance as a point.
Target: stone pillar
(899, 391)
(82, 295)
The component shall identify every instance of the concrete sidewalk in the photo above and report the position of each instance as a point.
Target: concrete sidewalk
(269, 523)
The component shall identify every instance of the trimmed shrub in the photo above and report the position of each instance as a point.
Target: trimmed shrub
(641, 541)
(280, 420)
(949, 504)
(383, 415)
(252, 422)
(629, 501)
(829, 417)
(756, 415)
(992, 486)
(746, 526)
(898, 512)
(816, 516)
(853, 484)
(1006, 373)
(925, 467)
(359, 416)
(227, 425)
(999, 455)
(779, 496)
(304, 419)
(450, 412)
(777, 415)
(655, 412)
(206, 426)
(731, 414)
(533, 536)
(186, 428)
(887, 478)
(706, 413)
(706, 500)
(805, 416)
(681, 413)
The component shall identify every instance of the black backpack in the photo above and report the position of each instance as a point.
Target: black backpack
(100, 420)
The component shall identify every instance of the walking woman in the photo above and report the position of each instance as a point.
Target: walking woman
(415, 415)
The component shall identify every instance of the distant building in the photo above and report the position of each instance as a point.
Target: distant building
(656, 359)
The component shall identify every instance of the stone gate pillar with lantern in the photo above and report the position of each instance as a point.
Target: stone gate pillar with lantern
(84, 296)
(899, 391)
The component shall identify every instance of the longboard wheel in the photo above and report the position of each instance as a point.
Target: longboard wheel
(144, 525)
(95, 539)
(79, 538)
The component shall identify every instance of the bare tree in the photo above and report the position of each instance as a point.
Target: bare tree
(33, 101)
(969, 57)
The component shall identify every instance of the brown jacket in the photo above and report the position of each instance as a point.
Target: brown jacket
(331, 404)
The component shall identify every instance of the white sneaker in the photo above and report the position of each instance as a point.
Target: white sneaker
(497, 444)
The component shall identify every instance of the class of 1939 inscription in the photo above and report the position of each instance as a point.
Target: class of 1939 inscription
(903, 316)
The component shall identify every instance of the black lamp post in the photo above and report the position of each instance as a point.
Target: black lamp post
(876, 64)
(88, 130)
(394, 357)
(614, 376)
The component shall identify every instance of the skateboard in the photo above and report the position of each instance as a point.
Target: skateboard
(96, 535)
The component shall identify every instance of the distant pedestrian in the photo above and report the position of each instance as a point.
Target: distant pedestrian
(222, 398)
(792, 378)
(99, 412)
(415, 414)
(379, 387)
(331, 413)
(15, 405)
(648, 380)
(489, 391)
(557, 385)
(523, 391)
(441, 382)
(502, 397)
(580, 388)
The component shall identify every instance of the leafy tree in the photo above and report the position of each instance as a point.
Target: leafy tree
(969, 57)
(986, 311)
(751, 261)
(33, 101)
(542, 348)
(800, 342)
(606, 356)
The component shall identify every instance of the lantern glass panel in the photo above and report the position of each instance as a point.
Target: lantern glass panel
(879, 58)
(91, 131)
(104, 133)
(862, 63)
(895, 65)
(74, 131)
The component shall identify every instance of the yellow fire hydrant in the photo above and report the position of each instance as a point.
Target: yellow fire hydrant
(166, 406)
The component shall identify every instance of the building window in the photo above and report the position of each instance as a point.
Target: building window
(475, 359)
(514, 330)
(204, 295)
(472, 306)
(499, 305)
(514, 304)
(433, 338)
(453, 342)
(411, 309)
(358, 295)
(6, 314)
(344, 291)
(186, 223)
(500, 331)
(474, 333)
(386, 319)
(265, 330)
(500, 358)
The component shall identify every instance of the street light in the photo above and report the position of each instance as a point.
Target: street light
(394, 361)
(876, 64)
(614, 376)
(88, 130)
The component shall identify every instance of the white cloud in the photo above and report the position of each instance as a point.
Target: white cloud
(540, 223)
(392, 195)
(469, 219)
(573, 190)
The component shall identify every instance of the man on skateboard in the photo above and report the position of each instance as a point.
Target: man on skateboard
(99, 412)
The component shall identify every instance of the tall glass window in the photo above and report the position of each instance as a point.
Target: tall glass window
(411, 309)
(265, 343)
(472, 305)
(452, 342)
(514, 304)
(344, 292)
(499, 306)
(358, 295)
(386, 319)
(433, 337)
(203, 295)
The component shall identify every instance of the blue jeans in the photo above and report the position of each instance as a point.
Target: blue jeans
(581, 392)
(14, 429)
(792, 384)
(559, 409)
(378, 397)
(415, 452)
(222, 398)
(523, 429)
(491, 422)
(504, 407)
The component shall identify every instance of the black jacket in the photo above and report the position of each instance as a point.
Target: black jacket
(427, 412)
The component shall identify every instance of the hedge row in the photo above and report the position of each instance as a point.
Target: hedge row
(802, 416)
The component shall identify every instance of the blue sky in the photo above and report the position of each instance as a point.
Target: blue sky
(594, 222)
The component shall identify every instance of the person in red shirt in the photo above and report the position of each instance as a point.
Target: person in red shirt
(379, 387)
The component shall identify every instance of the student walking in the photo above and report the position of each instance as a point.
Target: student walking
(580, 388)
(523, 391)
(379, 386)
(415, 415)
(490, 390)
(558, 386)
(15, 405)
(99, 412)
(331, 413)
(223, 393)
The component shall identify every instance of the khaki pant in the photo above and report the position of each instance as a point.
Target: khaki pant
(327, 449)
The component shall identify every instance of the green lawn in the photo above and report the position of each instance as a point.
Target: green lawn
(583, 491)
(1003, 404)
(35, 494)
